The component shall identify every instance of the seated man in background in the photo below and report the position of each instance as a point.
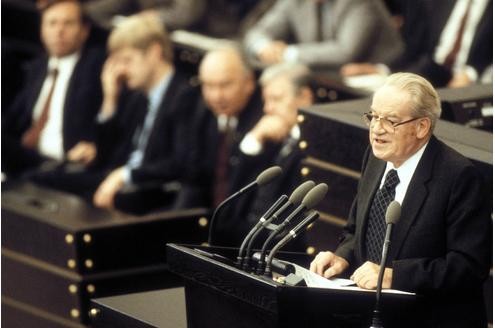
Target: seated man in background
(324, 34)
(441, 245)
(56, 108)
(173, 14)
(286, 88)
(230, 108)
(448, 42)
(142, 141)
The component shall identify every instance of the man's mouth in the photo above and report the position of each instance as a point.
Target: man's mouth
(380, 141)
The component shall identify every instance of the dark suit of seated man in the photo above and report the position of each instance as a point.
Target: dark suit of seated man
(57, 106)
(143, 139)
(441, 245)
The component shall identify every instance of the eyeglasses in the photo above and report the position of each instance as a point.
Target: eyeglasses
(370, 119)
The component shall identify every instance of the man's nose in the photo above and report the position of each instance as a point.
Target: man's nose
(377, 127)
(217, 94)
(268, 109)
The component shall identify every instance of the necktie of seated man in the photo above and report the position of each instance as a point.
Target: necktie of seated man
(452, 55)
(31, 137)
(221, 186)
(375, 232)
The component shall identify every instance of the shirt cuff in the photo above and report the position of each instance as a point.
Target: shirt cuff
(291, 54)
(383, 69)
(103, 117)
(471, 73)
(250, 146)
(126, 175)
(258, 45)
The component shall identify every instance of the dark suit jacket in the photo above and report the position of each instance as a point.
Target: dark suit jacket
(423, 26)
(441, 246)
(203, 157)
(82, 102)
(169, 141)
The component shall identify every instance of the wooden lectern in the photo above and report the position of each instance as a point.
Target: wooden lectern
(220, 295)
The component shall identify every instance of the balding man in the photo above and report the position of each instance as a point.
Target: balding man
(231, 107)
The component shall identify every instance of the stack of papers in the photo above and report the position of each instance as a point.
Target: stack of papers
(314, 280)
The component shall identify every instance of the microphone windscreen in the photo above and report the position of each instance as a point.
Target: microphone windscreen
(301, 191)
(392, 214)
(315, 195)
(268, 175)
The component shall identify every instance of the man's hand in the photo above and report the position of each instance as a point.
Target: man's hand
(327, 264)
(353, 69)
(271, 127)
(112, 78)
(366, 276)
(105, 193)
(84, 152)
(459, 80)
(272, 53)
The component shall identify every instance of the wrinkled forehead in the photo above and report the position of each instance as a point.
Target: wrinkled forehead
(391, 101)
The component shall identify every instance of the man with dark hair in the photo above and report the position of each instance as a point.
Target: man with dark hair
(56, 108)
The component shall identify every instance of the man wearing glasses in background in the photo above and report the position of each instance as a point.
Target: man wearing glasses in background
(441, 246)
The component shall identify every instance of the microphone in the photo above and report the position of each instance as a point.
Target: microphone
(293, 233)
(296, 197)
(263, 178)
(314, 196)
(282, 199)
(281, 267)
(392, 216)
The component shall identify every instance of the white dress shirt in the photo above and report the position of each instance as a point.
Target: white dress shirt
(405, 173)
(51, 137)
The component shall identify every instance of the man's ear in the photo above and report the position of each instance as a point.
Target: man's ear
(306, 97)
(86, 30)
(155, 50)
(423, 127)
